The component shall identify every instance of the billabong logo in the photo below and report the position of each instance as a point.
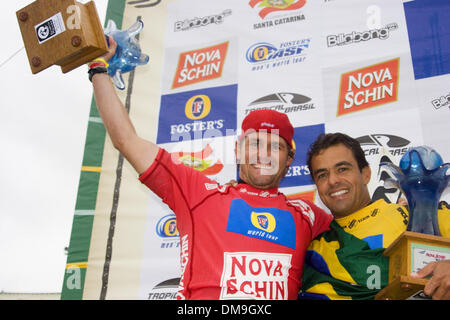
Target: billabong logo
(200, 65)
(198, 107)
(264, 221)
(201, 22)
(355, 37)
(268, 6)
(368, 87)
(441, 102)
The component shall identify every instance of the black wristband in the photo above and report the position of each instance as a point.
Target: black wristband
(96, 70)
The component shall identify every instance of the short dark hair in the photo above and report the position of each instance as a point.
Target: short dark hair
(326, 140)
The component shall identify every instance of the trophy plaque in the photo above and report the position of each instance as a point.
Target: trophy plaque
(422, 177)
(61, 32)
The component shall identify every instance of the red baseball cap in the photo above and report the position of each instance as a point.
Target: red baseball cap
(268, 120)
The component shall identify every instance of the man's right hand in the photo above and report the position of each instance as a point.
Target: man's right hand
(111, 49)
(139, 152)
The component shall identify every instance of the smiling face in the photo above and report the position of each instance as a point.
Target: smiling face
(342, 186)
(263, 158)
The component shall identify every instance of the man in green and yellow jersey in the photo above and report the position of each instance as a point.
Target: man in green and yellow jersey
(347, 262)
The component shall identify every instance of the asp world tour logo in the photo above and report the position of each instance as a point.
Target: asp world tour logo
(266, 7)
(264, 55)
(368, 87)
(200, 65)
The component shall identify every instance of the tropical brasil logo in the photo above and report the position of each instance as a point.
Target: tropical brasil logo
(286, 102)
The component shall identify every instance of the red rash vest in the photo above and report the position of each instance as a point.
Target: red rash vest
(236, 242)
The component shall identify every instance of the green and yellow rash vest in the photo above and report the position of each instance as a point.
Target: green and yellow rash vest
(347, 262)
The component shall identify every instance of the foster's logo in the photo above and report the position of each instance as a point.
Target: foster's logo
(167, 227)
(264, 221)
(198, 107)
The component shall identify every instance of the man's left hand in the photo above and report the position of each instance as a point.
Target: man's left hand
(438, 287)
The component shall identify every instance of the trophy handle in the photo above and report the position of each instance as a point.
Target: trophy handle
(135, 28)
(118, 80)
(395, 170)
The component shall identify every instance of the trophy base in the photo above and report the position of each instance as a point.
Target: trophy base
(409, 253)
(61, 32)
(402, 288)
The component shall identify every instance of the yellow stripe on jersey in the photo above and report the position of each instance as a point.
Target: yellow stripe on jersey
(328, 252)
(323, 287)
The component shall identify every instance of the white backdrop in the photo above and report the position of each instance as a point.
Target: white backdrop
(43, 121)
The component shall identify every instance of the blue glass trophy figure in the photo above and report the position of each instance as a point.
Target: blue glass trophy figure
(422, 177)
(128, 53)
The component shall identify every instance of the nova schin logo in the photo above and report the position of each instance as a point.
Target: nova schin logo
(368, 87)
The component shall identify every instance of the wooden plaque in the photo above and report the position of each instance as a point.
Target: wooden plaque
(408, 253)
(61, 32)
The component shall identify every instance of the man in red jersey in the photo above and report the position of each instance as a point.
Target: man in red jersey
(241, 242)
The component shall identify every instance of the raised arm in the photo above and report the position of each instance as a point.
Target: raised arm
(139, 152)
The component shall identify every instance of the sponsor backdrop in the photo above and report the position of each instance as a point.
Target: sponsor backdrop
(377, 70)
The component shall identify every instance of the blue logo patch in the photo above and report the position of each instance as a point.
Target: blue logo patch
(426, 21)
(298, 173)
(198, 114)
(375, 242)
(263, 223)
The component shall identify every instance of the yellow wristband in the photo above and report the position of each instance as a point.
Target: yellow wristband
(102, 60)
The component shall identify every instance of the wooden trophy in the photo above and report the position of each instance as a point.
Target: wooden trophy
(61, 32)
(410, 252)
(422, 177)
